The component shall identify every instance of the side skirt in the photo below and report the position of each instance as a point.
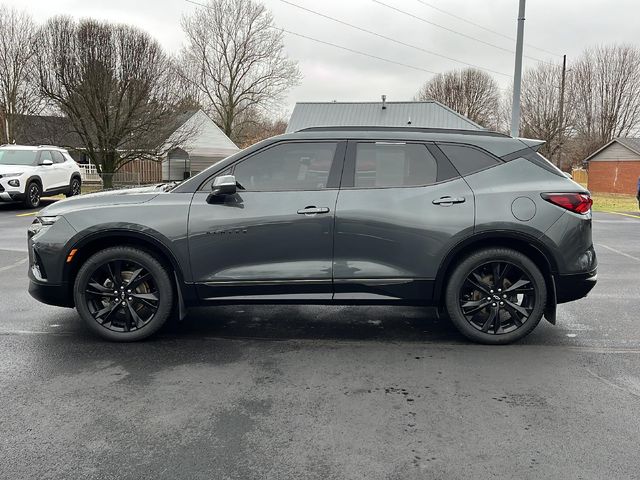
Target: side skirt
(377, 291)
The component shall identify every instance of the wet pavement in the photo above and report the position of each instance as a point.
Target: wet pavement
(285, 392)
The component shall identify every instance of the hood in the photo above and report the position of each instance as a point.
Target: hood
(15, 169)
(104, 199)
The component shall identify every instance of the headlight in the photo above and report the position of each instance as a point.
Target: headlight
(9, 175)
(40, 222)
(48, 220)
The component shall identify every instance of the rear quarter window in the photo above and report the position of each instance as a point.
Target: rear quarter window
(467, 159)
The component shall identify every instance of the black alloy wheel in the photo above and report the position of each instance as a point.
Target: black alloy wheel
(33, 194)
(123, 294)
(74, 187)
(496, 296)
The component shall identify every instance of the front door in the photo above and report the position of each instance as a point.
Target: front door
(401, 207)
(274, 237)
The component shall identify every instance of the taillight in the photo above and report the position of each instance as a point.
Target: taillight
(574, 202)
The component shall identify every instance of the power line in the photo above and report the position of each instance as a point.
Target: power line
(356, 51)
(483, 27)
(399, 42)
(453, 31)
(342, 47)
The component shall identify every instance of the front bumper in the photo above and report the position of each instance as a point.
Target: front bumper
(575, 286)
(58, 295)
(11, 196)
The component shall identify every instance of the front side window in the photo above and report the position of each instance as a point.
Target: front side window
(394, 165)
(288, 166)
(18, 157)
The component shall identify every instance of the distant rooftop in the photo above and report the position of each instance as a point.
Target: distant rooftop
(429, 114)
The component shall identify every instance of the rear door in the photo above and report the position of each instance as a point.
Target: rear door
(53, 176)
(401, 207)
(273, 239)
(63, 167)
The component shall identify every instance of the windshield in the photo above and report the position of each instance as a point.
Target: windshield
(18, 157)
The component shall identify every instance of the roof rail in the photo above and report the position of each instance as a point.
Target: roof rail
(50, 146)
(456, 131)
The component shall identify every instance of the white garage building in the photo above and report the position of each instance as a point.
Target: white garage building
(204, 145)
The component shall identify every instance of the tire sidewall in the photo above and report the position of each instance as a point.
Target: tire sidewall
(473, 261)
(160, 276)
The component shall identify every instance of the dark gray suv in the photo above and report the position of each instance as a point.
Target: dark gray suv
(475, 223)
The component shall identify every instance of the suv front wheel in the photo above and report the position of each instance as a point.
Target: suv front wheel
(32, 195)
(496, 296)
(123, 294)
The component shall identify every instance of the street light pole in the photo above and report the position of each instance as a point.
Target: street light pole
(517, 74)
(561, 112)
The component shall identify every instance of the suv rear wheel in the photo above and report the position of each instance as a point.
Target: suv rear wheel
(496, 296)
(123, 294)
(74, 187)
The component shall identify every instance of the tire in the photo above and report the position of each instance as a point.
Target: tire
(74, 187)
(115, 312)
(490, 313)
(32, 195)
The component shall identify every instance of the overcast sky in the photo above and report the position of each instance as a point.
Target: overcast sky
(560, 26)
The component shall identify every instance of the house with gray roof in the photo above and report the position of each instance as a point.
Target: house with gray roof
(430, 114)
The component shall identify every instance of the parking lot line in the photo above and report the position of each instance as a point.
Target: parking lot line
(626, 214)
(619, 252)
(18, 263)
(26, 214)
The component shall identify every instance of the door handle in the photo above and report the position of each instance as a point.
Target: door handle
(448, 200)
(313, 210)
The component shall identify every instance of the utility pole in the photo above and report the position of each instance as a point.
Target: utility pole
(561, 111)
(517, 74)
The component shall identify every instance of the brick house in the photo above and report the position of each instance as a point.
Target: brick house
(615, 168)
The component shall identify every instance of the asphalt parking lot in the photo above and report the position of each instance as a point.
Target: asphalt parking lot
(326, 393)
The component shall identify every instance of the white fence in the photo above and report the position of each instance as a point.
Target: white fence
(133, 173)
(89, 173)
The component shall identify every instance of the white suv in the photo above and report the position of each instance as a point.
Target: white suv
(29, 173)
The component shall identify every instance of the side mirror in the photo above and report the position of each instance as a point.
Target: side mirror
(224, 185)
(46, 163)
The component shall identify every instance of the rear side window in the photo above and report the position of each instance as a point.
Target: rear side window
(394, 165)
(57, 156)
(289, 166)
(468, 160)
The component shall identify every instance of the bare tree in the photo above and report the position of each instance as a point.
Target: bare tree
(18, 92)
(470, 92)
(540, 103)
(605, 88)
(261, 127)
(235, 59)
(114, 83)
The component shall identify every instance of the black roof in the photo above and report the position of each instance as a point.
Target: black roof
(45, 130)
(58, 130)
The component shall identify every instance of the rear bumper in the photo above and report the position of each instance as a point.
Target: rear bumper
(58, 295)
(575, 286)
